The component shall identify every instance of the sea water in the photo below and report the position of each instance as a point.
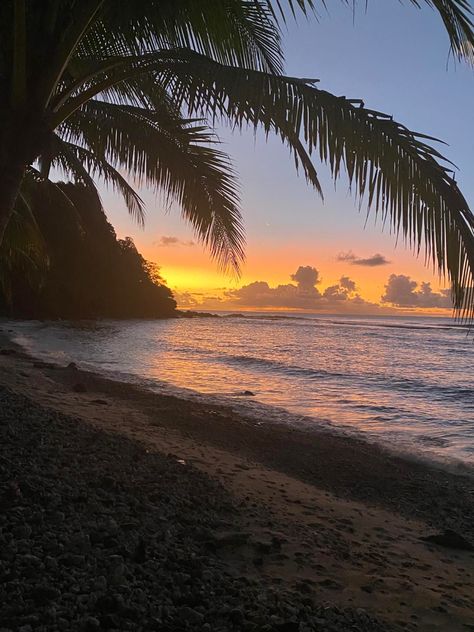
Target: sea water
(404, 382)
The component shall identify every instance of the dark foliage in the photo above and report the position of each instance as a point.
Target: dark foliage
(91, 273)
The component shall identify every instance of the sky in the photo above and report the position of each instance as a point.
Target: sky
(301, 252)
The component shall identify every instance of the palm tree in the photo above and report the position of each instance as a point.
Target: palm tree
(98, 87)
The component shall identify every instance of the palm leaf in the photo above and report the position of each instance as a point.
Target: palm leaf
(457, 18)
(175, 156)
(393, 169)
(23, 247)
(83, 165)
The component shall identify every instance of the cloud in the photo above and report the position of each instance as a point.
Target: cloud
(186, 299)
(306, 277)
(302, 295)
(259, 294)
(197, 300)
(169, 240)
(342, 291)
(371, 262)
(347, 284)
(403, 292)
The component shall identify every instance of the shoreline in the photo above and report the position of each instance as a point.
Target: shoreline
(368, 507)
(274, 415)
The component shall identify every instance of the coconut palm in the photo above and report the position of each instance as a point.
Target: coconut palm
(99, 88)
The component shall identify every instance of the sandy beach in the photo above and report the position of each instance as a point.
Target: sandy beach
(330, 523)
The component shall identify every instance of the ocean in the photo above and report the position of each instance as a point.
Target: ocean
(403, 382)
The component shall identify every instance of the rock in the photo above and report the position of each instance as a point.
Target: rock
(330, 583)
(22, 531)
(139, 555)
(58, 516)
(108, 604)
(130, 612)
(30, 560)
(89, 624)
(139, 595)
(117, 570)
(449, 539)
(190, 615)
(72, 365)
(80, 542)
(43, 594)
(288, 626)
(100, 583)
(304, 586)
(72, 560)
(8, 352)
(111, 526)
(109, 621)
(51, 563)
(263, 546)
(237, 616)
(229, 538)
(79, 388)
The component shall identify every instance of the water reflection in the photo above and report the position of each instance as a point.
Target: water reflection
(404, 381)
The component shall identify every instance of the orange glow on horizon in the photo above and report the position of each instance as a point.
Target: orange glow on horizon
(192, 274)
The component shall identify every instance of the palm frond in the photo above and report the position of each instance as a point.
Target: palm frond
(172, 155)
(393, 169)
(234, 32)
(23, 247)
(457, 16)
(83, 165)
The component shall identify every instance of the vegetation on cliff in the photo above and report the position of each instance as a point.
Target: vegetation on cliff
(77, 268)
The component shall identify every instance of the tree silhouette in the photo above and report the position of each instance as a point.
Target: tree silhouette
(90, 274)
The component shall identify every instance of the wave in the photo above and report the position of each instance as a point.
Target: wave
(391, 382)
(276, 365)
(360, 322)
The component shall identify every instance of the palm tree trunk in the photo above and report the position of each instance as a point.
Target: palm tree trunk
(15, 150)
(11, 175)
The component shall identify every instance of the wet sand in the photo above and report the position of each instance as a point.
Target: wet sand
(349, 514)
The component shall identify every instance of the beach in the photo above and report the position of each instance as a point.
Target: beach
(291, 529)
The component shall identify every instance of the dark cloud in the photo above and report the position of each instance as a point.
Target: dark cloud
(196, 300)
(302, 295)
(342, 291)
(347, 284)
(403, 292)
(168, 240)
(306, 277)
(375, 260)
(186, 299)
(336, 293)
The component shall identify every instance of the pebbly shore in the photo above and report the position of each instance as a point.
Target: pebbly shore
(99, 533)
(123, 509)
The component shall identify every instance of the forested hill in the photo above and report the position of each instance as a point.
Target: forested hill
(87, 271)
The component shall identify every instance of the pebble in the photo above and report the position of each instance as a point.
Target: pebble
(103, 535)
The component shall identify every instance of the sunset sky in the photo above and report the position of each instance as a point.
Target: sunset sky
(397, 59)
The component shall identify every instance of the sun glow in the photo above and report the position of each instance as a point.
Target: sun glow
(186, 278)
